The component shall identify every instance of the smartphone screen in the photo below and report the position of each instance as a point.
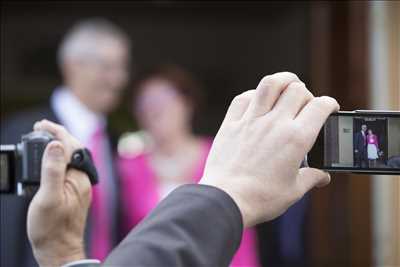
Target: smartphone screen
(359, 142)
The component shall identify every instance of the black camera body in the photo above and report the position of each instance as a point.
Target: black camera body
(21, 164)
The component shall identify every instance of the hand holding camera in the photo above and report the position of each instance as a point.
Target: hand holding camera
(65, 195)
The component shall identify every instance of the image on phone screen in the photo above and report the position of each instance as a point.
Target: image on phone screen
(362, 142)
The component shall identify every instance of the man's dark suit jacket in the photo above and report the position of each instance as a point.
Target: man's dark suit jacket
(359, 142)
(196, 225)
(15, 250)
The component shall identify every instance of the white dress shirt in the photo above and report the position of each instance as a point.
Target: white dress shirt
(82, 123)
(75, 116)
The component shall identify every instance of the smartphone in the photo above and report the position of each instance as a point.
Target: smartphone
(362, 141)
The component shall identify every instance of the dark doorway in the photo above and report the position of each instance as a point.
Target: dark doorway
(228, 46)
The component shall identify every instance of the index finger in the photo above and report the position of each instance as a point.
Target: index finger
(60, 133)
(313, 116)
(268, 92)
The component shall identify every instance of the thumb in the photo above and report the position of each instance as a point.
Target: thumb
(308, 178)
(54, 165)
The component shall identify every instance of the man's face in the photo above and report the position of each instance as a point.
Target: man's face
(99, 78)
(364, 128)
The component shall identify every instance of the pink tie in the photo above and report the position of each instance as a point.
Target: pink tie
(100, 241)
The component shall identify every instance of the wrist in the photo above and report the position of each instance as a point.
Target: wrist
(58, 259)
(235, 196)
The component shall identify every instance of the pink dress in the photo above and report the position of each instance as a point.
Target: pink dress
(140, 194)
(372, 146)
(372, 139)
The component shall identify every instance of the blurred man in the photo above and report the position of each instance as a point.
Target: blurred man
(94, 61)
(360, 147)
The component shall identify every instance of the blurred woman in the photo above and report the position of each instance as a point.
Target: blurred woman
(164, 103)
(372, 148)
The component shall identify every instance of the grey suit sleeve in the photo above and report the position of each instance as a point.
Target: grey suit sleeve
(196, 225)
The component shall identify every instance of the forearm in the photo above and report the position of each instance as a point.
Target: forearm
(195, 225)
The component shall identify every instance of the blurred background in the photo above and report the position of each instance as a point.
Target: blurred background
(348, 50)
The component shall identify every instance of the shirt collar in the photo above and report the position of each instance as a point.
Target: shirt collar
(80, 121)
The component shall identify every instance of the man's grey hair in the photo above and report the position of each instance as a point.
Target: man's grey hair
(81, 39)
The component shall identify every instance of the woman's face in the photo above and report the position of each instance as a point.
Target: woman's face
(161, 110)
(369, 131)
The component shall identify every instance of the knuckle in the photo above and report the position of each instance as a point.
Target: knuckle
(306, 92)
(300, 89)
(87, 190)
(265, 78)
(297, 87)
(326, 102)
(83, 184)
(319, 104)
(243, 97)
(329, 101)
(51, 170)
(62, 129)
(236, 99)
(268, 81)
(275, 79)
(291, 75)
(309, 94)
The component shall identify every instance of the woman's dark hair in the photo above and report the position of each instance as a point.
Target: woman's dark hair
(182, 81)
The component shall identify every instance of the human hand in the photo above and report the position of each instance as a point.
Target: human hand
(356, 151)
(58, 211)
(262, 141)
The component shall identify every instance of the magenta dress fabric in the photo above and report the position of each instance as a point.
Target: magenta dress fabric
(100, 238)
(140, 195)
(373, 139)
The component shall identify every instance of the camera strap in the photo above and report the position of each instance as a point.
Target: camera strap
(82, 160)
